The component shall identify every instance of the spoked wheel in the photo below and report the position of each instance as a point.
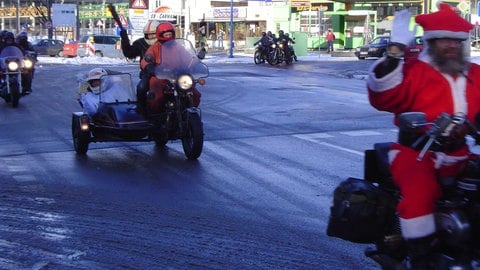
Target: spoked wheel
(15, 94)
(257, 58)
(272, 58)
(80, 139)
(192, 141)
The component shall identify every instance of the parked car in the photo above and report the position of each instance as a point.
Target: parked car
(104, 45)
(414, 48)
(70, 49)
(375, 48)
(52, 47)
(475, 43)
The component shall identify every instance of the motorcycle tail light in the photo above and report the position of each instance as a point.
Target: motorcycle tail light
(185, 82)
(28, 63)
(12, 65)
(84, 123)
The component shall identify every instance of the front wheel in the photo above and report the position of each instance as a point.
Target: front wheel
(257, 57)
(272, 57)
(192, 140)
(80, 138)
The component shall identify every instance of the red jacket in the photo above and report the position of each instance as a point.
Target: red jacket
(417, 87)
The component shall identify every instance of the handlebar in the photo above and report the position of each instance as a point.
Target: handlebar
(443, 126)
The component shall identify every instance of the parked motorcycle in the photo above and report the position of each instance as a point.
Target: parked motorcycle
(118, 119)
(13, 65)
(364, 210)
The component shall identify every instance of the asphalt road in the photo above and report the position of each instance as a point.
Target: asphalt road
(277, 142)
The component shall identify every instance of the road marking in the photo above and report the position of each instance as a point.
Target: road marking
(343, 148)
(356, 133)
(24, 178)
(313, 137)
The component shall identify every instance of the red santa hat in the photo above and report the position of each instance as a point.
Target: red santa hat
(445, 23)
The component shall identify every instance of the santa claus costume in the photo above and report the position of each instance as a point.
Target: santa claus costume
(419, 86)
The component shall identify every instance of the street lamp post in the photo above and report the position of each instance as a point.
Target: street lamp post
(231, 29)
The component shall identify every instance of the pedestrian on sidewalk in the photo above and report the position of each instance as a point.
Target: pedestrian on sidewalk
(330, 37)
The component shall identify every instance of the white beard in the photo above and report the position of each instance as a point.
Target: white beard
(150, 41)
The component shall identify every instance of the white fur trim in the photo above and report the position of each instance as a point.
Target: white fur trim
(389, 81)
(458, 90)
(417, 227)
(444, 34)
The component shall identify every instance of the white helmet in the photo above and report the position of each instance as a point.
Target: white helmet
(95, 74)
(150, 28)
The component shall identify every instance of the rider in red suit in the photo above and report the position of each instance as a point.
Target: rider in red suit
(165, 32)
(440, 80)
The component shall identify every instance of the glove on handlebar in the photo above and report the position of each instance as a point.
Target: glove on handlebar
(400, 28)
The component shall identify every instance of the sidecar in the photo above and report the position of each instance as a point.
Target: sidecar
(116, 118)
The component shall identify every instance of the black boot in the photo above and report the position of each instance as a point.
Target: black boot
(420, 252)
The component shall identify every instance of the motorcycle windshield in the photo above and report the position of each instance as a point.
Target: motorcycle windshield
(117, 88)
(11, 51)
(178, 58)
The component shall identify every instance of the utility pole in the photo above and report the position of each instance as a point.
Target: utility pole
(49, 18)
(231, 29)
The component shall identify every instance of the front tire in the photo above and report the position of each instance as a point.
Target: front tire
(257, 57)
(81, 139)
(192, 140)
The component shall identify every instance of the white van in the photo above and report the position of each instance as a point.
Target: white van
(103, 46)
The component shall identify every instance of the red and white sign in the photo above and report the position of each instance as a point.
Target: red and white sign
(138, 4)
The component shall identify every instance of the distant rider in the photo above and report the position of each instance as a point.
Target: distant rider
(264, 43)
(27, 47)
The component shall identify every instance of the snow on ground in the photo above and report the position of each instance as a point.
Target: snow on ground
(238, 57)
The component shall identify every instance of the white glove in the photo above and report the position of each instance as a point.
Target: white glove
(400, 32)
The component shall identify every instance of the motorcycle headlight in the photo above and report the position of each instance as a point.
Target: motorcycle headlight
(27, 63)
(13, 66)
(274, 45)
(281, 45)
(185, 82)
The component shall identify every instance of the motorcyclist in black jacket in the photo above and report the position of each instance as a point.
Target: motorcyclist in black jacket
(264, 43)
(138, 49)
(290, 40)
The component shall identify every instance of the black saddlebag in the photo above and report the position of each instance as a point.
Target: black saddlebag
(360, 211)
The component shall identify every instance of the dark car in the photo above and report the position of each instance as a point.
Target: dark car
(475, 43)
(52, 47)
(375, 48)
(414, 48)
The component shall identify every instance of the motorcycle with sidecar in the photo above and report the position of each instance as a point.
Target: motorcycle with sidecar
(118, 119)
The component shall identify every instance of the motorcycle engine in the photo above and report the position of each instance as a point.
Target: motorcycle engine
(453, 227)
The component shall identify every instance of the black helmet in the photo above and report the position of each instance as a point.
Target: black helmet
(2, 34)
(9, 35)
(280, 33)
(264, 34)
